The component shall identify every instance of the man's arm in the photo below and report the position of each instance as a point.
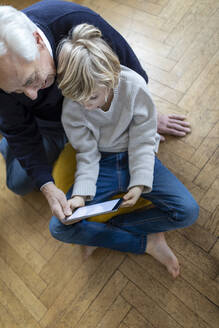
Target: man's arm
(18, 126)
(23, 136)
(73, 15)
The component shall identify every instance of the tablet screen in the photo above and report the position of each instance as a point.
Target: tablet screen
(96, 209)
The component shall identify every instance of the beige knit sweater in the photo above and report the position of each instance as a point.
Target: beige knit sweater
(129, 124)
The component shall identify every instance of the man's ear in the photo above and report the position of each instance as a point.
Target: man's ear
(39, 40)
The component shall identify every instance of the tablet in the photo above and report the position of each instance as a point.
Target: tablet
(93, 210)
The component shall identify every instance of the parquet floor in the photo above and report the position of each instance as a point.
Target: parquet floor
(46, 284)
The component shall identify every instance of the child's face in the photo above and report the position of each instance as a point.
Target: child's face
(97, 99)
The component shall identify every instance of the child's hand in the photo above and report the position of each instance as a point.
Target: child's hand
(76, 201)
(132, 196)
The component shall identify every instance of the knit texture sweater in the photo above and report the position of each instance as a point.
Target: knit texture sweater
(128, 125)
(18, 114)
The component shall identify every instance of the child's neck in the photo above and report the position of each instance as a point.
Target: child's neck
(106, 106)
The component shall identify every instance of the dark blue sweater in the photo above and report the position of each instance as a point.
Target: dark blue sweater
(18, 113)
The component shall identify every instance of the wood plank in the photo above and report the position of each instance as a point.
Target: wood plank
(15, 308)
(212, 223)
(209, 73)
(21, 268)
(147, 55)
(197, 117)
(193, 253)
(205, 310)
(204, 218)
(12, 280)
(209, 173)
(210, 200)
(122, 325)
(172, 160)
(207, 148)
(117, 311)
(6, 319)
(103, 306)
(59, 271)
(184, 33)
(180, 148)
(90, 291)
(148, 308)
(161, 295)
(82, 289)
(148, 7)
(199, 236)
(136, 320)
(20, 216)
(22, 247)
(215, 250)
(165, 92)
(188, 69)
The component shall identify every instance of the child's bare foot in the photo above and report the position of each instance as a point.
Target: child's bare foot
(88, 250)
(158, 248)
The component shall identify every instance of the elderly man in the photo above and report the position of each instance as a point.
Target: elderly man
(30, 102)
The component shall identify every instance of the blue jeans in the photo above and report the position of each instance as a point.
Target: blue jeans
(54, 140)
(174, 208)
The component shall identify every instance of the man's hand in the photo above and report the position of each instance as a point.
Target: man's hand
(57, 201)
(172, 124)
(132, 196)
(76, 201)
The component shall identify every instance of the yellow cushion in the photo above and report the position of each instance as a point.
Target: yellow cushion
(63, 174)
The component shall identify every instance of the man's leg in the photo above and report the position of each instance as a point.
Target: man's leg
(17, 179)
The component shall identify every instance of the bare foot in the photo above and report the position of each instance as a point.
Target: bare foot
(172, 124)
(87, 250)
(158, 248)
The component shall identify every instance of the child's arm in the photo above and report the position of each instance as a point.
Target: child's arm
(142, 141)
(87, 154)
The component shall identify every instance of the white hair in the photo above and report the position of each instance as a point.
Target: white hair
(16, 34)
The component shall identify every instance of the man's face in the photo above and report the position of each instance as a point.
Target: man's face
(21, 76)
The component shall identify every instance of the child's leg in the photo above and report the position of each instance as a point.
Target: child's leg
(159, 249)
(139, 231)
(113, 178)
(174, 207)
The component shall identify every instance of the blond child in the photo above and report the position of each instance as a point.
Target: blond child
(110, 119)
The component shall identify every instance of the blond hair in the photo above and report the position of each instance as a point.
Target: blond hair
(85, 62)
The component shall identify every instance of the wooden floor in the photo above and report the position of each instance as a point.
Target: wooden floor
(44, 283)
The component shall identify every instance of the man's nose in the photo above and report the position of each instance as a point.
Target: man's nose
(31, 93)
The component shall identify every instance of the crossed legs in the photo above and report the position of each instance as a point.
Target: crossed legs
(140, 231)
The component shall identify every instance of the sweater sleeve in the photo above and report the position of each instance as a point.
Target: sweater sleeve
(19, 127)
(142, 141)
(85, 144)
